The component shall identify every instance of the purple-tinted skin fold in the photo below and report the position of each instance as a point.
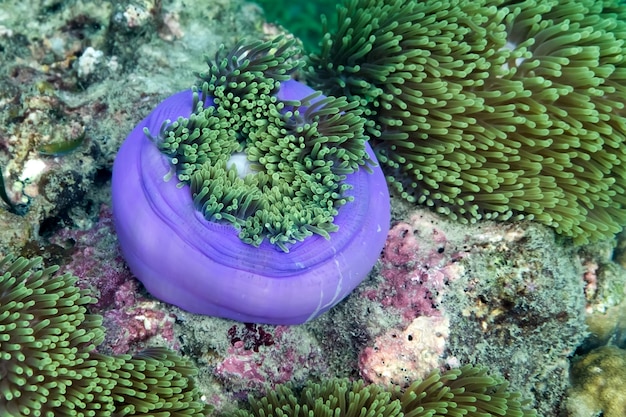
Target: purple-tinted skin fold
(203, 267)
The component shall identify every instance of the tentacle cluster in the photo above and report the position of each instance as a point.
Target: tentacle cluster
(467, 391)
(299, 152)
(491, 108)
(48, 365)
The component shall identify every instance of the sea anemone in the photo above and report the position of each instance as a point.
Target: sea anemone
(252, 196)
(491, 109)
(467, 391)
(333, 398)
(48, 366)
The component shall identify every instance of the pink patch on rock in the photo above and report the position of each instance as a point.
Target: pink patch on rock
(266, 355)
(96, 259)
(415, 267)
(245, 364)
(132, 322)
(402, 357)
(136, 322)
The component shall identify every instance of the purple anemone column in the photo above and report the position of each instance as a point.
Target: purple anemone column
(203, 267)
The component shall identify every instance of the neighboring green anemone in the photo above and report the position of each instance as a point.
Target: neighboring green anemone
(334, 398)
(490, 109)
(274, 169)
(48, 366)
(467, 391)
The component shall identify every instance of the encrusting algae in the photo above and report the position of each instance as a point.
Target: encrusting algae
(599, 384)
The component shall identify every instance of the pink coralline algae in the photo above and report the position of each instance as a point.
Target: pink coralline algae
(95, 259)
(415, 268)
(132, 321)
(135, 322)
(401, 357)
(591, 278)
(417, 261)
(247, 365)
(261, 355)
